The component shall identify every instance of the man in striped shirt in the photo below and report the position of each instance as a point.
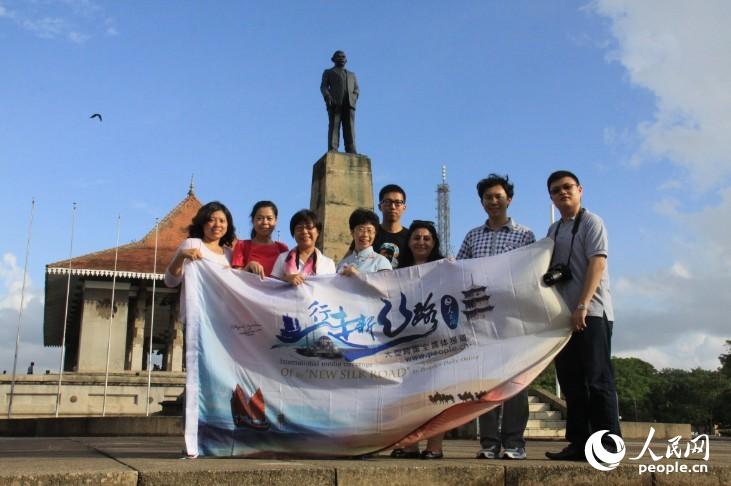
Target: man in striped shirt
(499, 234)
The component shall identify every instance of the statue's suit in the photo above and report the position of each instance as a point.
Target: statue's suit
(339, 87)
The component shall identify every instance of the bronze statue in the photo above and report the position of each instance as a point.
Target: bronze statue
(339, 87)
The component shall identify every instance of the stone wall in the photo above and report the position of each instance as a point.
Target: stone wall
(82, 394)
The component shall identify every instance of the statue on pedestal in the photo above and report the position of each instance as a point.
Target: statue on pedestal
(339, 88)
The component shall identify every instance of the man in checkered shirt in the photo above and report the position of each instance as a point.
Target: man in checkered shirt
(499, 234)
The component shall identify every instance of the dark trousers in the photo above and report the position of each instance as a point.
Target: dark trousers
(585, 373)
(515, 418)
(344, 116)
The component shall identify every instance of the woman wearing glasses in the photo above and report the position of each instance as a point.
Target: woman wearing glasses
(422, 246)
(304, 260)
(363, 226)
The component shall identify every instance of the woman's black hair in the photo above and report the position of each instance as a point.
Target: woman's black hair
(304, 216)
(258, 206)
(363, 216)
(406, 258)
(195, 230)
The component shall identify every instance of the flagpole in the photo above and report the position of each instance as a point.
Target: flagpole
(152, 319)
(65, 312)
(20, 310)
(111, 319)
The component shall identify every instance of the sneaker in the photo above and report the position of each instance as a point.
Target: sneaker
(514, 453)
(492, 452)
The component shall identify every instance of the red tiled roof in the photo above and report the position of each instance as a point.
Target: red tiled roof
(138, 256)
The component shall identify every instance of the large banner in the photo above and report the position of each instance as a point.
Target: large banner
(344, 366)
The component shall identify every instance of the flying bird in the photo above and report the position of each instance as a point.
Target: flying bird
(96, 115)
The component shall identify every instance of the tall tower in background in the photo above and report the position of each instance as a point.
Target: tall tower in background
(443, 214)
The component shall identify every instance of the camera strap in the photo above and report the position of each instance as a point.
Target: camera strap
(574, 230)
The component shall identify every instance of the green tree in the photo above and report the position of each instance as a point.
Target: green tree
(634, 379)
(725, 360)
(547, 379)
(689, 396)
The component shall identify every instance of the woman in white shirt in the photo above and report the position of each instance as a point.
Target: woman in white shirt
(304, 260)
(210, 236)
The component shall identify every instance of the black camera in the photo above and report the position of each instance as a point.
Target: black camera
(557, 273)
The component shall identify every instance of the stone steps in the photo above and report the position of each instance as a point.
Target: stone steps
(543, 421)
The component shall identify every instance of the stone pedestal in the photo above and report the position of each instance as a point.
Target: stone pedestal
(340, 183)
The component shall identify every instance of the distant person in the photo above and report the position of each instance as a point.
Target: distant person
(363, 225)
(305, 259)
(584, 366)
(339, 88)
(210, 236)
(422, 247)
(30, 368)
(499, 234)
(391, 237)
(258, 254)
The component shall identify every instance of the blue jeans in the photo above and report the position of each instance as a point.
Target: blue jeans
(586, 376)
(515, 418)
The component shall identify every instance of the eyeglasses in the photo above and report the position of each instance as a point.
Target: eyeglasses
(302, 227)
(565, 187)
(493, 197)
(364, 230)
(393, 202)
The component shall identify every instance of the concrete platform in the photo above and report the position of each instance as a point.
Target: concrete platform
(157, 461)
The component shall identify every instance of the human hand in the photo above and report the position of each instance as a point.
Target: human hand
(578, 319)
(349, 271)
(190, 254)
(255, 267)
(294, 279)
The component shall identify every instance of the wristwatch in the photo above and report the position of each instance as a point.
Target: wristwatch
(581, 307)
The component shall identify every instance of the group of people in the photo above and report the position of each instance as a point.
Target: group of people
(583, 367)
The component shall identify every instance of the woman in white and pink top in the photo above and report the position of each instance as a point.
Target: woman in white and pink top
(210, 236)
(304, 260)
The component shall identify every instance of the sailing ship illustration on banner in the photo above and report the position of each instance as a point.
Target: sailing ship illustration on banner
(248, 412)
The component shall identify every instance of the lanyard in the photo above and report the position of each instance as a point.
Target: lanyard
(574, 230)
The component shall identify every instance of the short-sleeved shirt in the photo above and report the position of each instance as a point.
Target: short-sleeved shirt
(485, 241)
(365, 261)
(323, 266)
(591, 240)
(247, 251)
(390, 245)
(175, 280)
(222, 259)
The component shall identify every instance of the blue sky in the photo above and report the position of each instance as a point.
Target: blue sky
(632, 96)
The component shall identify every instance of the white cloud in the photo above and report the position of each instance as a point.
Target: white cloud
(74, 20)
(692, 350)
(11, 278)
(31, 347)
(680, 52)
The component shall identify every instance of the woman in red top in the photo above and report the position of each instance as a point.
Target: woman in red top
(258, 254)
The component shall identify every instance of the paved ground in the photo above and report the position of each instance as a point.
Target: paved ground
(157, 461)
